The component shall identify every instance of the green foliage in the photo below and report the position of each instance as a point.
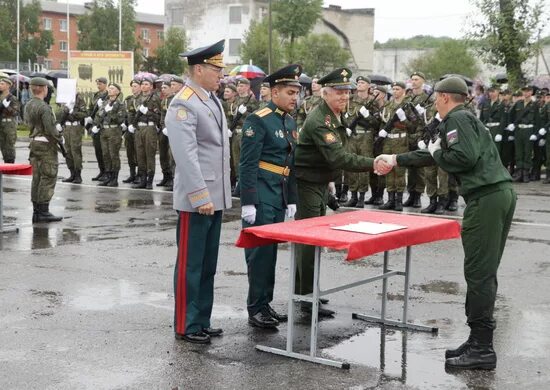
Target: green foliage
(33, 42)
(320, 53)
(451, 57)
(255, 46)
(508, 33)
(416, 42)
(167, 55)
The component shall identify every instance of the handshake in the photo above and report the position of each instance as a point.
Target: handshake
(384, 163)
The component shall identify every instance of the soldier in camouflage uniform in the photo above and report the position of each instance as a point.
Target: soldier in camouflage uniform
(164, 147)
(309, 103)
(70, 123)
(129, 136)
(176, 84)
(43, 151)
(110, 118)
(228, 102)
(97, 101)
(9, 111)
(265, 95)
(146, 122)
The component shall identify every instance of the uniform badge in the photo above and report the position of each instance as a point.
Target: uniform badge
(181, 114)
(249, 132)
(330, 138)
(452, 136)
(327, 120)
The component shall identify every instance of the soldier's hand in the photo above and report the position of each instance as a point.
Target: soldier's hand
(62, 140)
(290, 210)
(382, 133)
(69, 105)
(108, 108)
(207, 209)
(332, 188)
(422, 145)
(242, 109)
(230, 133)
(123, 127)
(511, 138)
(510, 127)
(349, 132)
(498, 138)
(165, 131)
(99, 102)
(248, 213)
(533, 137)
(5, 103)
(364, 112)
(421, 110)
(131, 129)
(95, 130)
(401, 114)
(542, 142)
(59, 128)
(384, 163)
(434, 146)
(542, 131)
(143, 109)
(88, 120)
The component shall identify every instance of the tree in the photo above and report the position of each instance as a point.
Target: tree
(294, 19)
(450, 57)
(416, 42)
(33, 41)
(168, 59)
(255, 46)
(319, 53)
(508, 33)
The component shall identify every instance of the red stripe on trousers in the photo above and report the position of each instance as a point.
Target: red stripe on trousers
(181, 292)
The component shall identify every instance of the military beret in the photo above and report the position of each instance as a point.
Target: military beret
(362, 78)
(265, 85)
(419, 74)
(289, 75)
(452, 84)
(212, 54)
(101, 80)
(243, 80)
(40, 81)
(176, 79)
(381, 88)
(6, 80)
(166, 82)
(134, 81)
(148, 79)
(116, 86)
(399, 84)
(527, 88)
(231, 87)
(337, 79)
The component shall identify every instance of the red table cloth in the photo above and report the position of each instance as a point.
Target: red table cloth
(16, 169)
(317, 231)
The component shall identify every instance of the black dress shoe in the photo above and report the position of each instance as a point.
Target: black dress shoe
(277, 316)
(213, 332)
(263, 319)
(324, 301)
(306, 308)
(195, 338)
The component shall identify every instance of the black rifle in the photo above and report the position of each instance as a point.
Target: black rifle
(431, 132)
(238, 116)
(92, 115)
(138, 112)
(353, 125)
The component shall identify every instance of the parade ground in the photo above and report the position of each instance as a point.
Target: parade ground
(87, 303)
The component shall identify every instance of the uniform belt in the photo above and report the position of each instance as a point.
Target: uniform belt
(40, 139)
(397, 135)
(492, 124)
(285, 171)
(363, 131)
(7, 119)
(525, 126)
(75, 123)
(146, 123)
(110, 126)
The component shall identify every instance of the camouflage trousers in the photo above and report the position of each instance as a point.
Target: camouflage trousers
(111, 141)
(8, 136)
(73, 145)
(236, 150)
(165, 156)
(130, 145)
(43, 158)
(360, 144)
(437, 181)
(395, 180)
(146, 148)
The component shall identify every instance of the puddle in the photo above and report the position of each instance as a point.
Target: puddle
(438, 286)
(234, 273)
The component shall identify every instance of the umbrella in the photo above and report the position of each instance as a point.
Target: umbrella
(248, 71)
(8, 71)
(57, 74)
(20, 78)
(501, 78)
(380, 79)
(37, 74)
(469, 81)
(304, 79)
(141, 75)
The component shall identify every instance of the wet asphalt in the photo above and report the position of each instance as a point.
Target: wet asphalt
(87, 303)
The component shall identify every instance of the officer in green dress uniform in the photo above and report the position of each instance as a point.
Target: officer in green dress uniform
(507, 155)
(467, 150)
(268, 185)
(9, 111)
(493, 116)
(320, 158)
(129, 130)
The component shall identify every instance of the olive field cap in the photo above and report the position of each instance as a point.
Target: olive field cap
(452, 85)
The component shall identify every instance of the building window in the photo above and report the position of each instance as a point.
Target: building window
(49, 47)
(145, 34)
(47, 23)
(63, 64)
(234, 47)
(145, 52)
(63, 25)
(48, 64)
(62, 45)
(177, 16)
(160, 35)
(235, 13)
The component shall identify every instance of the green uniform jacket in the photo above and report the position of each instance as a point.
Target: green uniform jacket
(79, 111)
(525, 114)
(308, 105)
(41, 120)
(116, 116)
(320, 154)
(131, 107)
(493, 113)
(94, 108)
(163, 109)
(152, 102)
(251, 105)
(269, 135)
(12, 110)
(467, 151)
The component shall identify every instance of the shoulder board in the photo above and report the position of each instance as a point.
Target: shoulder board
(263, 112)
(185, 93)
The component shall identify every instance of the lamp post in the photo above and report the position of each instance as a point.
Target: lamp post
(119, 25)
(269, 52)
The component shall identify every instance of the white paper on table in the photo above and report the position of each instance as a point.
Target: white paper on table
(369, 227)
(66, 91)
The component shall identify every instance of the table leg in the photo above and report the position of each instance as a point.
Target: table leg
(292, 284)
(384, 286)
(315, 304)
(406, 286)
(2, 230)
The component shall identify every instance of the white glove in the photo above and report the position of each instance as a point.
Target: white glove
(401, 114)
(421, 110)
(434, 146)
(498, 138)
(143, 109)
(510, 127)
(123, 127)
(88, 120)
(290, 210)
(511, 138)
(131, 129)
(69, 105)
(348, 131)
(5, 103)
(383, 133)
(108, 108)
(542, 142)
(230, 133)
(248, 213)
(332, 188)
(71, 111)
(165, 131)
(364, 112)
(95, 130)
(542, 131)
(59, 128)
(533, 137)
(99, 102)
(242, 109)
(62, 140)
(422, 145)
(438, 117)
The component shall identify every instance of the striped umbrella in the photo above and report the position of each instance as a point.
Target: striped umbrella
(248, 71)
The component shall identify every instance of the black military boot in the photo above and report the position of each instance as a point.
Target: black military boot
(398, 201)
(379, 198)
(105, 179)
(9, 161)
(479, 354)
(77, 176)
(535, 174)
(525, 178)
(44, 214)
(165, 179)
(34, 212)
(344, 194)
(137, 179)
(374, 191)
(361, 201)
(149, 183)
(114, 180)
(410, 200)
(430, 209)
(453, 201)
(352, 202)
(547, 180)
(517, 176)
(132, 177)
(441, 204)
(390, 204)
(142, 182)
(416, 202)
(99, 176)
(70, 179)
(451, 353)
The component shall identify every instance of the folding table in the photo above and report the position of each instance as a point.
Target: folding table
(319, 233)
(10, 169)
